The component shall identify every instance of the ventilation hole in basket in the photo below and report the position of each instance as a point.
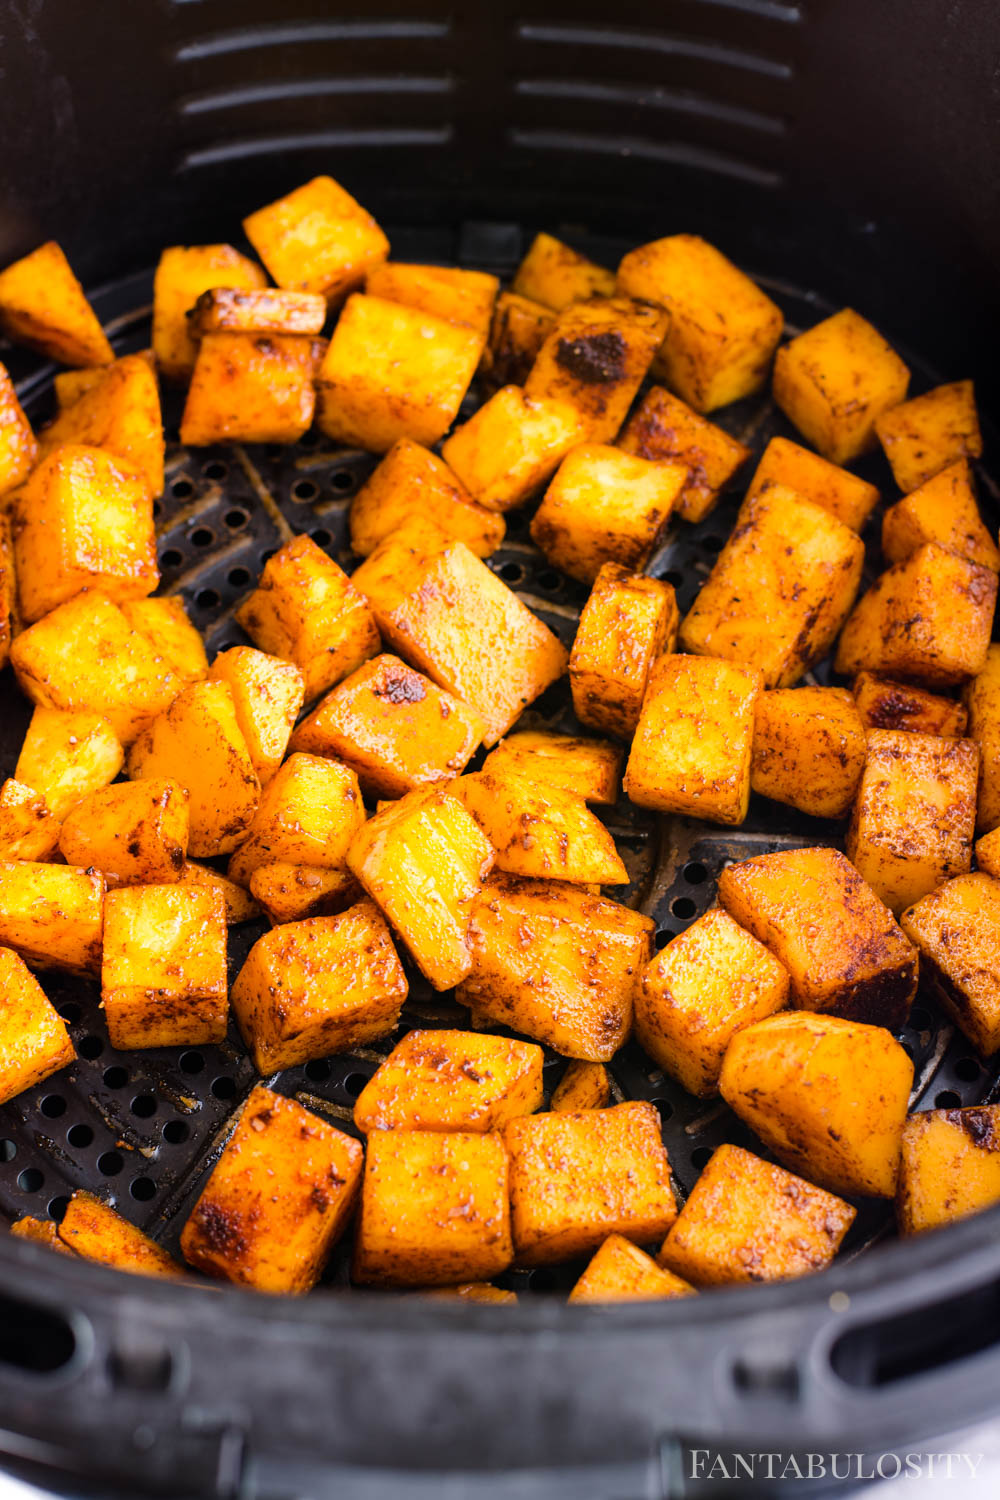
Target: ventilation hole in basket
(182, 489)
(511, 572)
(191, 1062)
(920, 1019)
(683, 907)
(713, 544)
(238, 578)
(202, 537)
(207, 599)
(144, 1105)
(110, 1163)
(674, 578)
(142, 1189)
(354, 1083)
(664, 1106)
(175, 1132)
(318, 1071)
(30, 1180)
(664, 936)
(234, 519)
(342, 480)
(321, 536)
(695, 873)
(70, 1013)
(549, 580)
(304, 490)
(7, 1150)
(116, 1077)
(90, 1047)
(52, 1106)
(542, 1281)
(216, 469)
(80, 1136)
(701, 1156)
(224, 1087)
(967, 1069)
(57, 1208)
(171, 558)
(947, 1099)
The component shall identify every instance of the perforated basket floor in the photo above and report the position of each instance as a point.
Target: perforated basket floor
(144, 1128)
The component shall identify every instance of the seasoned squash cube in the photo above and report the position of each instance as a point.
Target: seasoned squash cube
(306, 610)
(621, 1272)
(278, 1199)
(666, 431)
(699, 991)
(135, 832)
(471, 1291)
(834, 381)
(556, 963)
(165, 624)
(584, 1085)
(982, 699)
(747, 1220)
(844, 951)
(915, 815)
(163, 978)
(18, 448)
(423, 860)
(27, 828)
(798, 557)
(450, 617)
(251, 388)
(10, 613)
(576, 1178)
(827, 1096)
(604, 506)
(43, 305)
(34, 1042)
(240, 906)
(556, 275)
(121, 414)
(267, 697)
(411, 480)
(950, 1166)
(91, 1228)
(317, 239)
(955, 930)
(52, 915)
(309, 813)
(512, 445)
(291, 893)
(541, 832)
(434, 1209)
(808, 749)
(518, 330)
(393, 372)
(84, 520)
(41, 1231)
(228, 309)
(627, 622)
(885, 704)
(464, 297)
(452, 1080)
(988, 853)
(393, 727)
(590, 768)
(942, 510)
(844, 495)
(198, 743)
(66, 756)
(723, 328)
(926, 433)
(183, 273)
(692, 746)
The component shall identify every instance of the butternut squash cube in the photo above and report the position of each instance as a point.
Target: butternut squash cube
(135, 832)
(576, 1178)
(306, 610)
(434, 1209)
(10, 611)
(92, 1229)
(699, 991)
(393, 727)
(723, 328)
(929, 432)
(163, 977)
(165, 624)
(452, 1080)
(69, 385)
(52, 915)
(915, 816)
(556, 275)
(942, 510)
(43, 305)
(41, 1231)
(473, 1291)
(982, 699)
(183, 273)
(251, 388)
(955, 927)
(843, 494)
(627, 622)
(18, 448)
(541, 832)
(464, 297)
(809, 749)
(988, 853)
(309, 814)
(692, 746)
(512, 445)
(798, 557)
(34, 1042)
(621, 1272)
(317, 239)
(240, 905)
(278, 1199)
(827, 1096)
(950, 1166)
(605, 506)
(66, 756)
(411, 480)
(747, 1220)
(120, 413)
(885, 704)
(423, 859)
(227, 309)
(584, 1085)
(267, 697)
(664, 430)
(291, 893)
(556, 963)
(518, 330)
(834, 381)
(27, 828)
(844, 951)
(590, 768)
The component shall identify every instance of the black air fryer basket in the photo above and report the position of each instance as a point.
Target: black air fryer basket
(843, 152)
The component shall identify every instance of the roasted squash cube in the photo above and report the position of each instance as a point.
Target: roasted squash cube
(291, 893)
(66, 756)
(472, 1291)
(512, 445)
(411, 480)
(306, 610)
(621, 1272)
(52, 915)
(843, 949)
(121, 414)
(747, 1220)
(692, 746)
(135, 832)
(576, 1178)
(91, 1228)
(40, 1231)
(183, 273)
(240, 905)
(834, 381)
(556, 963)
(278, 1199)
(317, 239)
(309, 813)
(955, 930)
(43, 305)
(590, 768)
(950, 1166)
(34, 1042)
(699, 991)
(843, 494)
(666, 431)
(982, 699)
(827, 1096)
(541, 832)
(518, 330)
(251, 388)
(165, 624)
(942, 510)
(458, 296)
(10, 611)
(926, 433)
(267, 696)
(452, 1080)
(808, 749)
(723, 328)
(584, 1085)
(627, 622)
(885, 704)
(27, 828)
(434, 1209)
(18, 448)
(257, 310)
(556, 275)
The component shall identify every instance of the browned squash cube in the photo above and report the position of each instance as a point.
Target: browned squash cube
(135, 832)
(627, 622)
(411, 480)
(703, 987)
(66, 756)
(423, 859)
(576, 1178)
(434, 1209)
(843, 949)
(34, 1042)
(240, 905)
(163, 978)
(798, 557)
(604, 506)
(942, 510)
(52, 915)
(621, 1272)
(317, 239)
(788, 464)
(228, 309)
(955, 930)
(84, 520)
(278, 1199)
(43, 305)
(306, 610)
(950, 1166)
(18, 448)
(91, 1228)
(541, 832)
(834, 381)
(556, 963)
(748, 1221)
(452, 1080)
(10, 611)
(393, 727)
(464, 297)
(915, 814)
(584, 1085)
(183, 273)
(982, 698)
(928, 432)
(309, 813)
(120, 412)
(885, 704)
(666, 431)
(590, 768)
(518, 330)
(251, 388)
(40, 1231)
(291, 893)
(692, 746)
(513, 445)
(165, 624)
(472, 1291)
(27, 828)
(809, 749)
(267, 697)
(556, 275)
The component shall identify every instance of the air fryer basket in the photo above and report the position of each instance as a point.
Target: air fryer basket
(840, 155)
